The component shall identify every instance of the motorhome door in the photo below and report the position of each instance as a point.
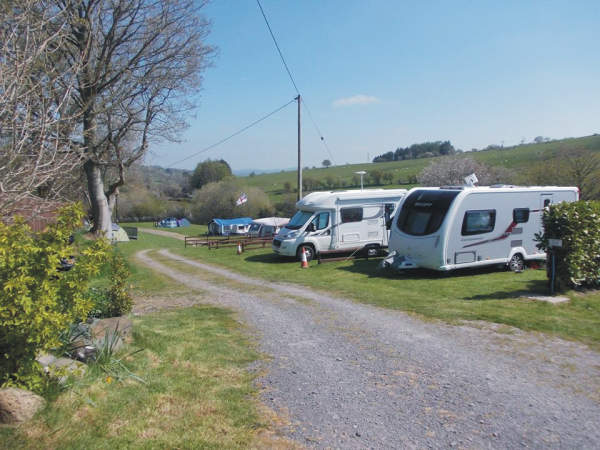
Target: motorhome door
(322, 230)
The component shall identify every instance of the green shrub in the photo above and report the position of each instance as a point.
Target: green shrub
(114, 300)
(577, 224)
(100, 303)
(121, 301)
(38, 302)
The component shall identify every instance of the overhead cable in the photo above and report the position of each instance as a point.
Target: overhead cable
(322, 139)
(205, 149)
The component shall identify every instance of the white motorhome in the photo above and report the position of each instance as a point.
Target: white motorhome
(339, 221)
(454, 227)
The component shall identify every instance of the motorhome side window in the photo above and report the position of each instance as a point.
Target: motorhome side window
(321, 221)
(351, 214)
(520, 215)
(478, 222)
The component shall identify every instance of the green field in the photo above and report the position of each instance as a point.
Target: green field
(192, 230)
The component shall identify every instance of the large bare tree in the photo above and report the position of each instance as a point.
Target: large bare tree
(141, 64)
(37, 120)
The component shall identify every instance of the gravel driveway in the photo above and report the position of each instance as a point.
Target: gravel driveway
(347, 375)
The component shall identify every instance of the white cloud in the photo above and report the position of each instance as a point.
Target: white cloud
(359, 99)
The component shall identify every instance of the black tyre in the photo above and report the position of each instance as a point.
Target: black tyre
(516, 263)
(308, 249)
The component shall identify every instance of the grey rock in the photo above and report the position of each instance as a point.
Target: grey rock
(18, 405)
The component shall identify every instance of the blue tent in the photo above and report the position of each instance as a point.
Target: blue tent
(183, 222)
(226, 227)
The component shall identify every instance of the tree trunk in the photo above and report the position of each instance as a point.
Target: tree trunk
(100, 209)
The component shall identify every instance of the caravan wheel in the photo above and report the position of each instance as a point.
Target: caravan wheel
(516, 263)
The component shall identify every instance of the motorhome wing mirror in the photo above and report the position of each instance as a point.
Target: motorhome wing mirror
(388, 222)
(311, 227)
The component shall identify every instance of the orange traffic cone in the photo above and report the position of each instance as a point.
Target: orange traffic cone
(239, 249)
(303, 260)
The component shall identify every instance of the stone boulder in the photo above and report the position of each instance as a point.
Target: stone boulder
(18, 405)
(117, 329)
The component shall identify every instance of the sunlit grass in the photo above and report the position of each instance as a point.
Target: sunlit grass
(197, 392)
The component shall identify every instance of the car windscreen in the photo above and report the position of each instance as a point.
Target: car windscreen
(423, 211)
(299, 219)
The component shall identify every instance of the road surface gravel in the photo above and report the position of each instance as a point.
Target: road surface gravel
(348, 375)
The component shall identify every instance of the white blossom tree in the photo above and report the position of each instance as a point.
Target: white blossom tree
(451, 171)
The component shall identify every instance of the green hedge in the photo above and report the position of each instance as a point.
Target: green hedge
(577, 224)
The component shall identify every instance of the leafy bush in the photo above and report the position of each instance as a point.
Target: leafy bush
(121, 301)
(38, 302)
(115, 300)
(576, 224)
(100, 301)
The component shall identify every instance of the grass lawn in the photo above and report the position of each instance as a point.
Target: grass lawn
(491, 295)
(197, 392)
(192, 230)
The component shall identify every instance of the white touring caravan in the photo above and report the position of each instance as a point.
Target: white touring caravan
(339, 221)
(454, 227)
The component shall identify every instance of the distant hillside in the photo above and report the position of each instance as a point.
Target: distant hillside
(280, 186)
(519, 159)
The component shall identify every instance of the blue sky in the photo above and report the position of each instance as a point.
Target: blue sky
(377, 75)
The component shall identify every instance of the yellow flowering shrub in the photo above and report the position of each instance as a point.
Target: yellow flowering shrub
(37, 301)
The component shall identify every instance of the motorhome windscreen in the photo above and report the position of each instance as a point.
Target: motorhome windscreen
(299, 220)
(424, 211)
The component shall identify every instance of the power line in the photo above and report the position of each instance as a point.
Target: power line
(205, 149)
(278, 49)
(322, 139)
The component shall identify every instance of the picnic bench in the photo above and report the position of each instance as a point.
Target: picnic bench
(132, 232)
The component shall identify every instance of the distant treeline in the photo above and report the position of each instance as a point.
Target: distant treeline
(415, 151)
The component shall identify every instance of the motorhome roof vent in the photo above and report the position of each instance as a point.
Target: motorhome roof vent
(457, 188)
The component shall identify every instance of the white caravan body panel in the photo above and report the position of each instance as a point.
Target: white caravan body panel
(451, 228)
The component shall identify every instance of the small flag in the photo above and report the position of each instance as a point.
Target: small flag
(471, 180)
(242, 199)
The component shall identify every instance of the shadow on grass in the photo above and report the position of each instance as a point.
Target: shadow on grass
(371, 268)
(269, 258)
(533, 287)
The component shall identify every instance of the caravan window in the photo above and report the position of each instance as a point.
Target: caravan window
(351, 214)
(520, 215)
(478, 222)
(423, 212)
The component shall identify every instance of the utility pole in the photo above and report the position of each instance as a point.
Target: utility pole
(299, 154)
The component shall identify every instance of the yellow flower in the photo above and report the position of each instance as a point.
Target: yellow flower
(108, 379)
